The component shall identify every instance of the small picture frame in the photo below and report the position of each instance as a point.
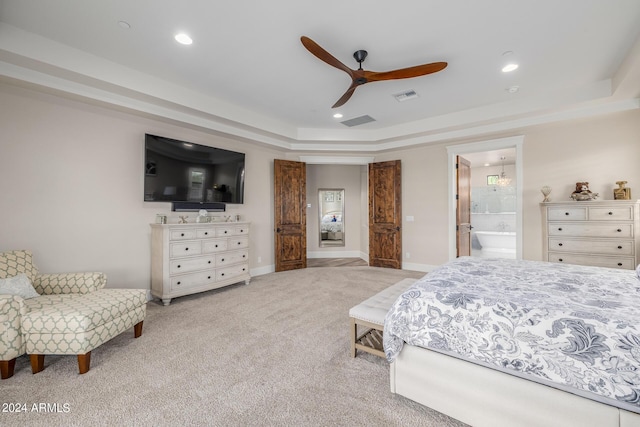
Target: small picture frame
(492, 179)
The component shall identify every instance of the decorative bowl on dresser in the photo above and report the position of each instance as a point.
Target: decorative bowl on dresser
(599, 233)
(191, 258)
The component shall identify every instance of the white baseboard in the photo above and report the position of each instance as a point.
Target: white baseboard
(418, 267)
(259, 271)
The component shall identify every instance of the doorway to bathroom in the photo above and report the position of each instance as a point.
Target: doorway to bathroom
(495, 205)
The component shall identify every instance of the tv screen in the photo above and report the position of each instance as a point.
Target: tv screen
(179, 171)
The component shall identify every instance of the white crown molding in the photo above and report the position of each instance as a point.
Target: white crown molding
(26, 58)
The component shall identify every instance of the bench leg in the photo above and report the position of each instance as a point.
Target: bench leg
(84, 362)
(6, 368)
(37, 362)
(354, 336)
(137, 330)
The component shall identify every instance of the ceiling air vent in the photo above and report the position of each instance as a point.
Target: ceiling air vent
(358, 121)
(406, 95)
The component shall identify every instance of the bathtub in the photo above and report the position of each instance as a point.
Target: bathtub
(497, 243)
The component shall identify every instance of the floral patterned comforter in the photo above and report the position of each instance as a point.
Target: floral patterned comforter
(574, 327)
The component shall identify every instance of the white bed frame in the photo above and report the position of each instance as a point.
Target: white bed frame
(481, 396)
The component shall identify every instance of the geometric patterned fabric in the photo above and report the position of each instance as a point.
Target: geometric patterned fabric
(72, 315)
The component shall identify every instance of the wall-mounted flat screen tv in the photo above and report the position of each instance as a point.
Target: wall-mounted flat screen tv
(180, 171)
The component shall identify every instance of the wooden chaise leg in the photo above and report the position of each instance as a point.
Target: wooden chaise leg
(37, 362)
(84, 362)
(6, 368)
(137, 330)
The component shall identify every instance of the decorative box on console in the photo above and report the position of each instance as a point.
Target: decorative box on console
(191, 258)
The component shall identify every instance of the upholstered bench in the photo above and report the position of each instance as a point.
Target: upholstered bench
(78, 323)
(370, 315)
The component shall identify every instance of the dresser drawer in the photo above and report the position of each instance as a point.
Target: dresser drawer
(214, 245)
(232, 271)
(617, 213)
(225, 231)
(184, 234)
(186, 265)
(238, 243)
(591, 230)
(185, 249)
(600, 246)
(597, 261)
(193, 280)
(205, 233)
(242, 230)
(567, 213)
(232, 257)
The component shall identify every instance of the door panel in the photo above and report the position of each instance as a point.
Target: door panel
(463, 209)
(290, 218)
(385, 214)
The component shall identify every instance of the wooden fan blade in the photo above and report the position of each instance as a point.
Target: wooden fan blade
(323, 55)
(344, 98)
(405, 73)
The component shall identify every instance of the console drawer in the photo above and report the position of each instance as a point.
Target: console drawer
(597, 261)
(185, 249)
(591, 230)
(605, 247)
(186, 265)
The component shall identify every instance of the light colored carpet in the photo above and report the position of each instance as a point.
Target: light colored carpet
(273, 353)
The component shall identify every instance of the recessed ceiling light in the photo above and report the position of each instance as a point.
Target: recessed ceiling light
(124, 25)
(182, 38)
(487, 164)
(513, 89)
(509, 62)
(337, 116)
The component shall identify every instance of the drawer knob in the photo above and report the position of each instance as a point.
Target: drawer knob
(619, 230)
(619, 264)
(222, 274)
(181, 234)
(206, 233)
(209, 262)
(186, 249)
(225, 231)
(244, 269)
(619, 247)
(560, 259)
(208, 277)
(216, 246)
(566, 213)
(610, 213)
(244, 256)
(178, 265)
(222, 260)
(239, 243)
(179, 283)
(242, 231)
(560, 229)
(559, 244)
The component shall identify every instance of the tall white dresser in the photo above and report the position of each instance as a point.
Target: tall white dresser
(191, 258)
(599, 233)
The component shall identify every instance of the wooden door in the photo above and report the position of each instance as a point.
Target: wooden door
(385, 215)
(463, 206)
(290, 216)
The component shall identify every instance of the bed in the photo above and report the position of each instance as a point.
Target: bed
(501, 342)
(331, 226)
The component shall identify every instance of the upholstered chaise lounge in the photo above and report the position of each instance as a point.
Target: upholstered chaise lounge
(67, 313)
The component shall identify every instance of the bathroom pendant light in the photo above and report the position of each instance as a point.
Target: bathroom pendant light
(503, 181)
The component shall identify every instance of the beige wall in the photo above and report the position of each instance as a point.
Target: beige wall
(71, 184)
(71, 178)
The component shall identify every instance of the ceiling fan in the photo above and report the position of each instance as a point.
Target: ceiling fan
(360, 76)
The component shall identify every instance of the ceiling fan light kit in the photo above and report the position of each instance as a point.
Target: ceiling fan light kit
(360, 77)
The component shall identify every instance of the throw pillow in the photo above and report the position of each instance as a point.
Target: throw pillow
(18, 285)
